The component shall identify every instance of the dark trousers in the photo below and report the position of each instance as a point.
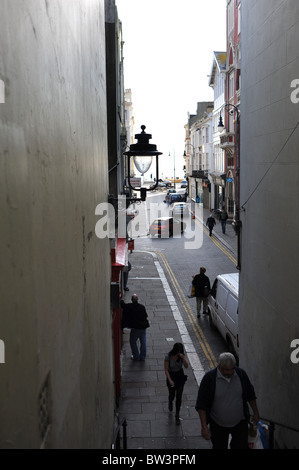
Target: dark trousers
(176, 391)
(220, 435)
(210, 227)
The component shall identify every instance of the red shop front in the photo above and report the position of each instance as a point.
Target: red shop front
(118, 257)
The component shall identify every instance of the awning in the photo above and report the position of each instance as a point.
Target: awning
(218, 178)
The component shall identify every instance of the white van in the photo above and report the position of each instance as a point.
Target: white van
(223, 309)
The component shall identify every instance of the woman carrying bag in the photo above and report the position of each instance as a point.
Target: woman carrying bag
(173, 366)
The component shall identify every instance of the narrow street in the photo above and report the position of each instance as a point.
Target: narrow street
(180, 259)
(122, 121)
(161, 272)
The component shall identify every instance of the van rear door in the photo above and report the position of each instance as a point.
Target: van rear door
(221, 300)
(232, 319)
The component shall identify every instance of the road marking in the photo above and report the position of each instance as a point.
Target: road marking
(186, 306)
(147, 278)
(193, 358)
(216, 242)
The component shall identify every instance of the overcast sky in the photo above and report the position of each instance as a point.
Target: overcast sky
(168, 54)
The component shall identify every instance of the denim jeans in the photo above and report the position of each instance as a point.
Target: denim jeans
(136, 335)
(223, 224)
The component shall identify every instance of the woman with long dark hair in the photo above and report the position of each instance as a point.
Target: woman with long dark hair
(174, 362)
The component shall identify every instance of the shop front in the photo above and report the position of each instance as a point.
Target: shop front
(219, 189)
(196, 190)
(200, 188)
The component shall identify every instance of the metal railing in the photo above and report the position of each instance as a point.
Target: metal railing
(271, 427)
(117, 440)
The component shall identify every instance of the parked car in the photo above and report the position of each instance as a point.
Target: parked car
(180, 209)
(183, 194)
(223, 309)
(165, 227)
(175, 197)
(184, 184)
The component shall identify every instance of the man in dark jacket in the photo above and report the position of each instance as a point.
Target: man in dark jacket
(222, 403)
(210, 223)
(201, 282)
(135, 317)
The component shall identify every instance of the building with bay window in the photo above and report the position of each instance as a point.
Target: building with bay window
(199, 152)
(229, 138)
(217, 172)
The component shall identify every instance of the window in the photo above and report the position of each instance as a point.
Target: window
(230, 16)
(231, 85)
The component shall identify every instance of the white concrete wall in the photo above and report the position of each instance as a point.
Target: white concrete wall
(55, 277)
(269, 280)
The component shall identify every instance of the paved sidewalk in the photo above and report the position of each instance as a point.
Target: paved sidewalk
(228, 239)
(144, 394)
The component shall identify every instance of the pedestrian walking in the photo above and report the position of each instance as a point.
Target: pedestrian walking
(135, 317)
(210, 223)
(202, 286)
(222, 404)
(174, 362)
(223, 218)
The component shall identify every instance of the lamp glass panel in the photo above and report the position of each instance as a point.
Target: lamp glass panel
(143, 163)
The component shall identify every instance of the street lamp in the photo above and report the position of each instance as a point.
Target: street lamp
(173, 168)
(220, 124)
(237, 224)
(143, 153)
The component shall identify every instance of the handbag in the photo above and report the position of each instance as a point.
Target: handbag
(191, 291)
(178, 377)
